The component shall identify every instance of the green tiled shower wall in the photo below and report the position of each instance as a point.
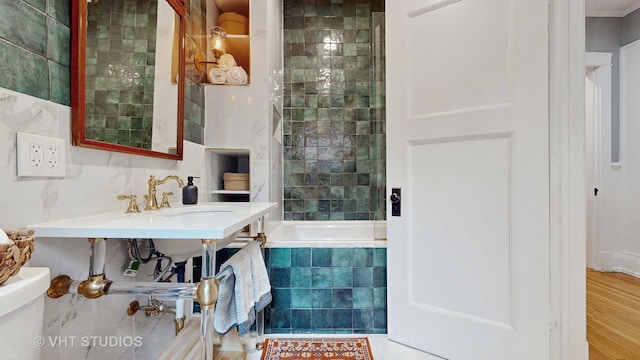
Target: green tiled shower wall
(334, 115)
(35, 48)
(194, 90)
(120, 71)
(324, 290)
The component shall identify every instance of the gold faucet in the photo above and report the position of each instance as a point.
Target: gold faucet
(152, 201)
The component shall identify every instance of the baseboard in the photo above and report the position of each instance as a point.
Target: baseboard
(624, 262)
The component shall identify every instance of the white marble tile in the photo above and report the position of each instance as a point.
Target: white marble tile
(155, 332)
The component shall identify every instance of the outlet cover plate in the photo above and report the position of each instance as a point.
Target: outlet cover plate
(40, 156)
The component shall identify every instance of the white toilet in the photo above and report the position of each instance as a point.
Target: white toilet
(21, 313)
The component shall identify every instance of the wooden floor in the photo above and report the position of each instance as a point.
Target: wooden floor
(613, 316)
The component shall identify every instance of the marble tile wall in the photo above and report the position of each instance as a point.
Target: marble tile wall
(93, 180)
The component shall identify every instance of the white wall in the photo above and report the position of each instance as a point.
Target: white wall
(241, 116)
(621, 210)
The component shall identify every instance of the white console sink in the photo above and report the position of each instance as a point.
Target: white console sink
(182, 249)
(209, 210)
(216, 220)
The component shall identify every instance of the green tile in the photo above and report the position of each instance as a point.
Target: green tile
(337, 192)
(297, 205)
(379, 276)
(111, 135)
(60, 83)
(281, 298)
(380, 257)
(342, 257)
(337, 206)
(321, 257)
(362, 318)
(311, 205)
(38, 4)
(15, 15)
(301, 298)
(23, 71)
(308, 9)
(280, 318)
(321, 278)
(342, 319)
(300, 257)
(300, 277)
(301, 319)
(280, 257)
(320, 298)
(124, 137)
(342, 298)
(111, 122)
(380, 298)
(61, 11)
(321, 319)
(280, 277)
(380, 318)
(342, 277)
(363, 257)
(363, 298)
(363, 277)
(59, 43)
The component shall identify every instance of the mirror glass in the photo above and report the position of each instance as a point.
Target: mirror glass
(127, 76)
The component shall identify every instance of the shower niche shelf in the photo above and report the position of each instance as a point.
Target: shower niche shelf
(228, 160)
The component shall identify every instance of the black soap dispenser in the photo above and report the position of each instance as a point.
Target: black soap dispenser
(190, 192)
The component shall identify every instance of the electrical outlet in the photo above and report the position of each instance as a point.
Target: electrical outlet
(40, 156)
(36, 155)
(53, 156)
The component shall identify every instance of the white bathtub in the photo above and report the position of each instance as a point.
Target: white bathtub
(329, 234)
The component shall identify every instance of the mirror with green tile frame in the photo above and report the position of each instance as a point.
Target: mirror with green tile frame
(127, 76)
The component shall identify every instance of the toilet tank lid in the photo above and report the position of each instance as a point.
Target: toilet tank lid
(28, 284)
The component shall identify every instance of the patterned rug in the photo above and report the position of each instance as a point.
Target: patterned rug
(317, 348)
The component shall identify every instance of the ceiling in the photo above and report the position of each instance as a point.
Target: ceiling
(610, 8)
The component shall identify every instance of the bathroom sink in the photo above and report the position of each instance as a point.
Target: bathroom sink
(183, 249)
(203, 210)
(214, 220)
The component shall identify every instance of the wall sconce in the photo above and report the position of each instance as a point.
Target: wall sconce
(218, 48)
(218, 41)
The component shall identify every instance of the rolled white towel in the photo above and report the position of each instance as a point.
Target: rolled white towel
(217, 76)
(236, 75)
(226, 62)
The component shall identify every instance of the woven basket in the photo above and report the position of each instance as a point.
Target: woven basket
(13, 256)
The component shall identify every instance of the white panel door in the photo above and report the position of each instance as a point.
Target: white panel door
(468, 140)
